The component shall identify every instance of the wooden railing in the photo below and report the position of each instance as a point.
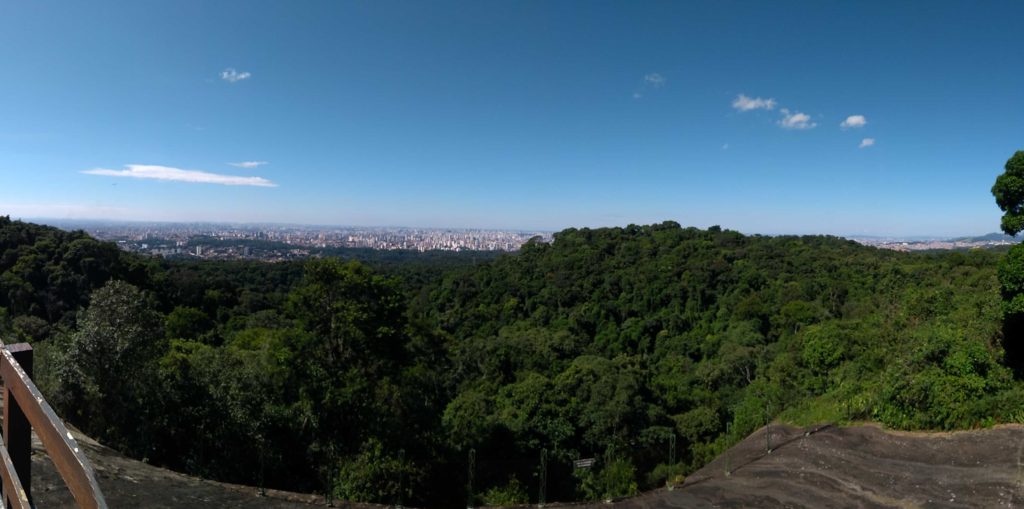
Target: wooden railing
(25, 409)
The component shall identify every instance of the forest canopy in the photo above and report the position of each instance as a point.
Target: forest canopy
(432, 381)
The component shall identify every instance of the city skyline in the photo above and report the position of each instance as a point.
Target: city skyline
(806, 118)
(280, 242)
(89, 224)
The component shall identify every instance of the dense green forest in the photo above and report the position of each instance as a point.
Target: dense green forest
(428, 380)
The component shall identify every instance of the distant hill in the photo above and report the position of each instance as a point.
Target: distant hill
(988, 237)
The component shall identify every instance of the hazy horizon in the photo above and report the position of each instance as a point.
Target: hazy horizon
(56, 221)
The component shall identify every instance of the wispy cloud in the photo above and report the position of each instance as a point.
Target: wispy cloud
(725, 146)
(866, 142)
(143, 171)
(853, 122)
(651, 81)
(655, 80)
(796, 120)
(744, 103)
(248, 164)
(231, 75)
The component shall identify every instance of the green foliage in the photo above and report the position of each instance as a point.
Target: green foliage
(30, 328)
(942, 384)
(48, 273)
(374, 384)
(1011, 282)
(664, 473)
(824, 349)
(698, 425)
(186, 323)
(110, 362)
(1009, 193)
(614, 479)
(372, 476)
(512, 493)
(665, 327)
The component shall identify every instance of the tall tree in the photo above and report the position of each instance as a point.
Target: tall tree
(1009, 193)
(110, 363)
(349, 367)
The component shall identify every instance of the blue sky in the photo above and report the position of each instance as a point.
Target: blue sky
(525, 114)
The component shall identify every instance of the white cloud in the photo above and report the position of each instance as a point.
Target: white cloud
(230, 75)
(637, 95)
(796, 120)
(655, 80)
(866, 142)
(142, 171)
(248, 164)
(853, 122)
(744, 103)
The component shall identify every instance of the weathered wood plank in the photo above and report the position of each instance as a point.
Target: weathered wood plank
(15, 496)
(61, 446)
(17, 432)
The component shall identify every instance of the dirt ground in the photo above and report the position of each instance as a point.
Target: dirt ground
(817, 467)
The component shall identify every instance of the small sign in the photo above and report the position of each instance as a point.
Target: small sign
(583, 463)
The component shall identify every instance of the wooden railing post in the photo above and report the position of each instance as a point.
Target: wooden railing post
(17, 430)
(25, 409)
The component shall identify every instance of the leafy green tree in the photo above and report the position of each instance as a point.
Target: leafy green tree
(374, 475)
(238, 397)
(31, 328)
(1009, 193)
(511, 494)
(186, 323)
(350, 373)
(110, 364)
(613, 479)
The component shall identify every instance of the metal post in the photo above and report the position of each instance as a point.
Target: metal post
(330, 483)
(671, 460)
(672, 449)
(262, 490)
(728, 435)
(401, 478)
(16, 429)
(542, 496)
(469, 484)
